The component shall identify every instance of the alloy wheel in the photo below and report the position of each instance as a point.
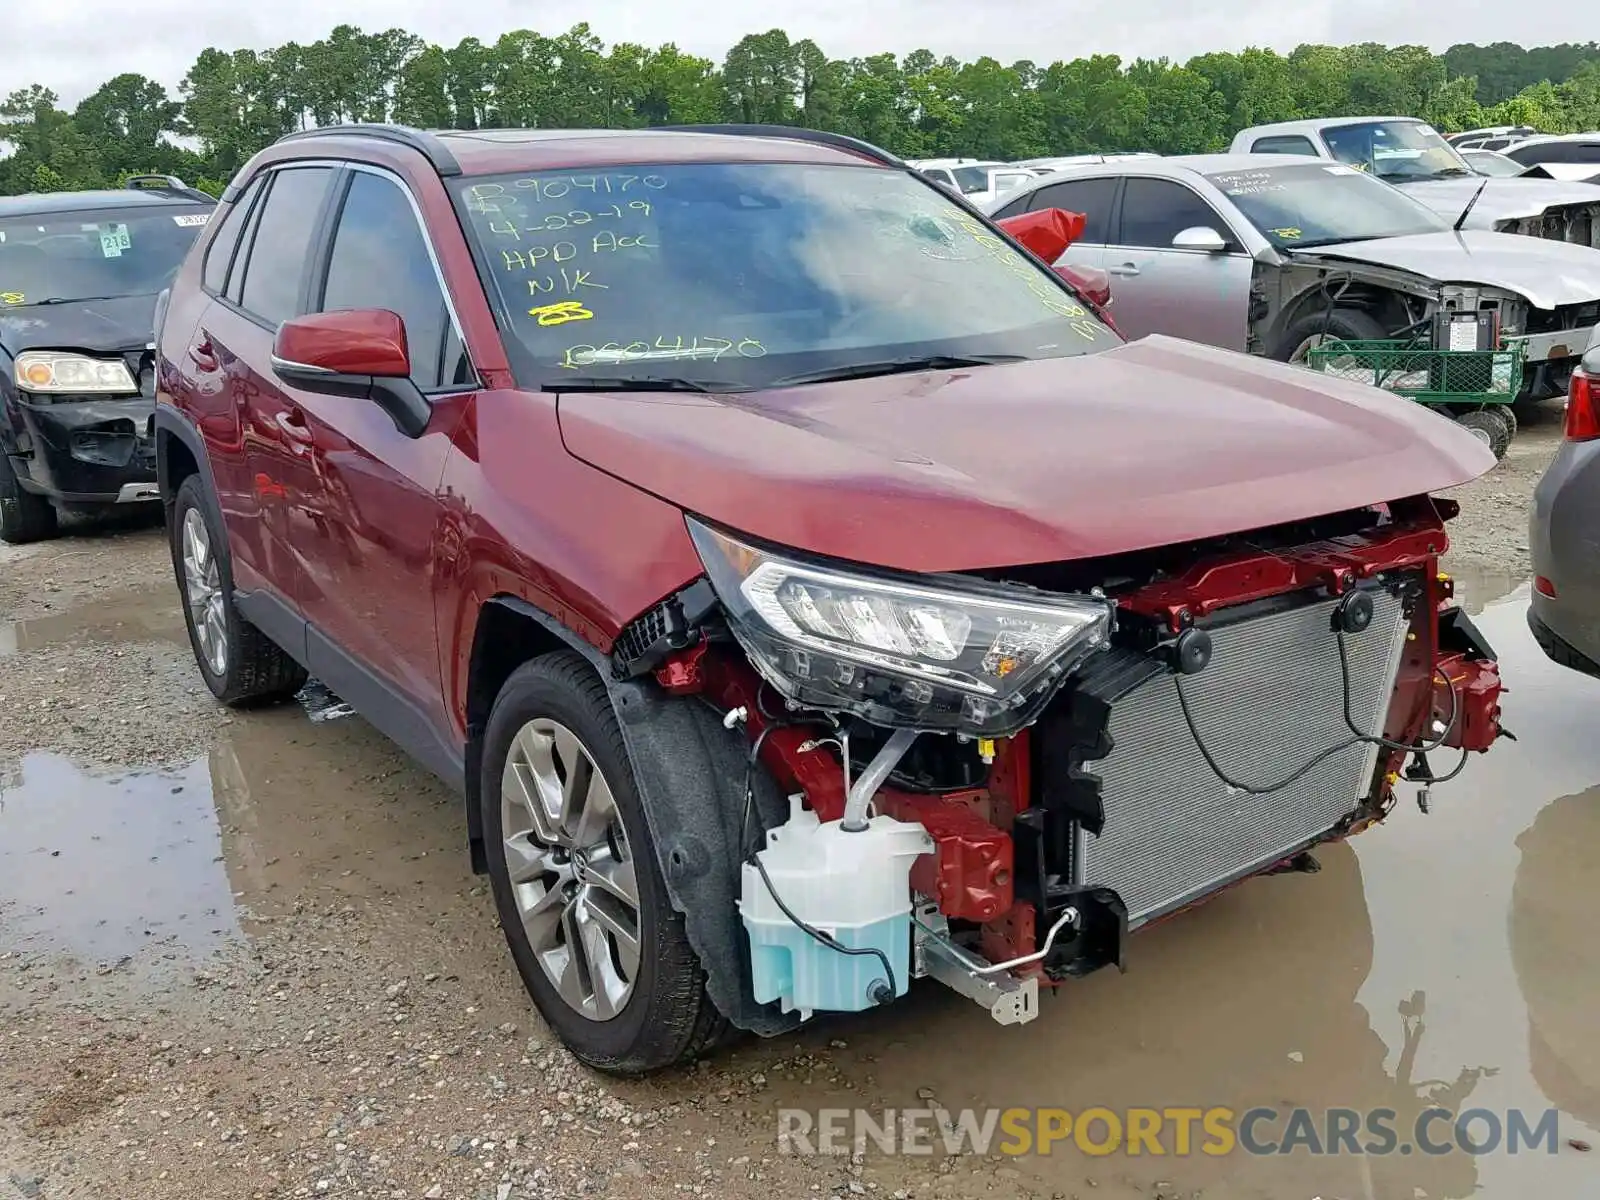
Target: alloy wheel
(203, 592)
(571, 869)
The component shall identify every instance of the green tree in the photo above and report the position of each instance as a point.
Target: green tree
(919, 105)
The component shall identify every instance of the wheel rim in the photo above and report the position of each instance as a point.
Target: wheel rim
(571, 870)
(1304, 349)
(203, 591)
(1481, 434)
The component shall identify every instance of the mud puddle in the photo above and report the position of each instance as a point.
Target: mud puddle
(149, 614)
(1437, 960)
(106, 865)
(291, 808)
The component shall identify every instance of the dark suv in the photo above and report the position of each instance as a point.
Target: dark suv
(79, 277)
(804, 589)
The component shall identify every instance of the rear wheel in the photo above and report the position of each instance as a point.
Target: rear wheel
(576, 880)
(24, 517)
(239, 663)
(1489, 427)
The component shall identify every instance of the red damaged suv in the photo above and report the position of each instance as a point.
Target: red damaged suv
(805, 589)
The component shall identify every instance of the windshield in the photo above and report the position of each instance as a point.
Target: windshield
(1399, 151)
(1487, 162)
(972, 179)
(1317, 204)
(743, 275)
(95, 255)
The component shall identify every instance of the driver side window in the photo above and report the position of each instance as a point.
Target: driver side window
(1154, 211)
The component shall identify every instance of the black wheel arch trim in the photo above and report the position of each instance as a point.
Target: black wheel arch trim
(170, 423)
(690, 774)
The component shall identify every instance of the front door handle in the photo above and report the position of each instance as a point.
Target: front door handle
(1124, 269)
(293, 426)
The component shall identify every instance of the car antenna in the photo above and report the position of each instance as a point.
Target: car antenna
(1462, 219)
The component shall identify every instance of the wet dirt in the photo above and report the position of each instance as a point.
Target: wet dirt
(306, 994)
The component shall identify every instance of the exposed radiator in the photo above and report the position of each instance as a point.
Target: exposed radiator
(1270, 699)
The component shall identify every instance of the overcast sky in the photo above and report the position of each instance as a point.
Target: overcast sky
(72, 46)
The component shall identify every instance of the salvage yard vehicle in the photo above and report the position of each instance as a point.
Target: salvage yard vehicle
(1564, 611)
(79, 277)
(1276, 255)
(1411, 155)
(805, 591)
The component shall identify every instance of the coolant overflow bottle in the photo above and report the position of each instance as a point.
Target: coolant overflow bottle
(855, 888)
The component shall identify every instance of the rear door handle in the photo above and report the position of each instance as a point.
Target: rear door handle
(203, 354)
(293, 425)
(1124, 269)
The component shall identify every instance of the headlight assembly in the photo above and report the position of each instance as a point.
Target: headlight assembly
(55, 371)
(924, 652)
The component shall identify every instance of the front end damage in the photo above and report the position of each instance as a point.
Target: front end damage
(1241, 702)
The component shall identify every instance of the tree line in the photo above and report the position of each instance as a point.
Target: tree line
(232, 103)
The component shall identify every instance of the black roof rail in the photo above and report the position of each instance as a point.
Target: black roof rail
(795, 133)
(167, 183)
(427, 144)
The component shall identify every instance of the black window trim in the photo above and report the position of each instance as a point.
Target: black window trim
(254, 219)
(1236, 243)
(1310, 150)
(1113, 212)
(246, 215)
(322, 256)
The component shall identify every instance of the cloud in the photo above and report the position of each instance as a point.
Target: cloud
(72, 46)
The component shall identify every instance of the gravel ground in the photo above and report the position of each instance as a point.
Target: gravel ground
(243, 956)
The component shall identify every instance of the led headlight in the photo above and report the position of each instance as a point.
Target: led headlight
(923, 651)
(54, 371)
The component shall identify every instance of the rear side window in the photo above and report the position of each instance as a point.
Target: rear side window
(281, 244)
(1292, 144)
(1091, 197)
(380, 260)
(1154, 211)
(1556, 152)
(219, 255)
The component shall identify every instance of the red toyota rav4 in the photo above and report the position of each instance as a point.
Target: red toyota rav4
(804, 589)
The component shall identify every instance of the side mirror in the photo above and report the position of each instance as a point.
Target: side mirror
(1200, 237)
(359, 353)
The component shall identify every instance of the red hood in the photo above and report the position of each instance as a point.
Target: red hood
(1148, 444)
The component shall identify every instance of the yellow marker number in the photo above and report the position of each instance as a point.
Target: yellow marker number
(12, 298)
(560, 314)
(1289, 234)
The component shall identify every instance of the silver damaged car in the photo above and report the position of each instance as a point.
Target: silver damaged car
(1410, 154)
(1271, 254)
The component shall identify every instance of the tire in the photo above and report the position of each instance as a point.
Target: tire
(24, 517)
(1508, 415)
(554, 711)
(1490, 427)
(250, 667)
(1343, 324)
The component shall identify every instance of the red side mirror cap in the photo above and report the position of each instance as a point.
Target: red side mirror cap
(363, 341)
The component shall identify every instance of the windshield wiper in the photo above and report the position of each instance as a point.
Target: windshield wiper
(639, 383)
(897, 366)
(49, 300)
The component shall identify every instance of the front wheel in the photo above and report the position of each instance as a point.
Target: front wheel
(576, 880)
(24, 517)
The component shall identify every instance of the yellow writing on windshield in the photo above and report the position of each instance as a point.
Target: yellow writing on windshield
(568, 279)
(1289, 233)
(663, 348)
(561, 313)
(12, 298)
(1053, 298)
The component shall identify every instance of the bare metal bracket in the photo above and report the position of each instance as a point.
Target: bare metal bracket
(1011, 1000)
